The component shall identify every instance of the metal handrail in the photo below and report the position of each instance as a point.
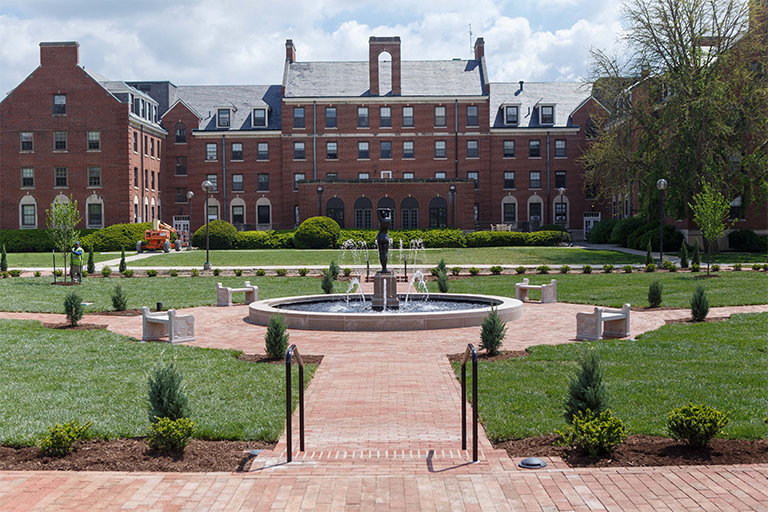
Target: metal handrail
(288, 411)
(470, 349)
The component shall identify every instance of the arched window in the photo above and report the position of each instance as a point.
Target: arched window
(388, 202)
(28, 212)
(152, 209)
(181, 133)
(94, 211)
(535, 209)
(136, 209)
(237, 212)
(363, 213)
(264, 213)
(509, 210)
(334, 209)
(409, 213)
(560, 205)
(438, 213)
(213, 208)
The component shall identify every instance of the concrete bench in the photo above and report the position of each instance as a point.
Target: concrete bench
(603, 323)
(224, 294)
(548, 291)
(178, 328)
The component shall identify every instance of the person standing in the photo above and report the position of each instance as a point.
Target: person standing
(77, 263)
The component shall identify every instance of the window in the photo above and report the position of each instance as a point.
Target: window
(60, 177)
(213, 212)
(237, 183)
(407, 175)
(298, 151)
(439, 175)
(296, 178)
(152, 147)
(440, 116)
(263, 185)
(438, 213)
(181, 134)
(146, 146)
(439, 149)
(238, 214)
(363, 213)
(560, 179)
(331, 176)
(136, 177)
(362, 150)
(152, 176)
(237, 151)
(181, 195)
(214, 179)
(181, 166)
(408, 149)
(331, 150)
(59, 141)
(385, 117)
(561, 213)
(146, 180)
(259, 117)
(407, 117)
(210, 151)
(27, 177)
(471, 149)
(409, 213)
(510, 215)
(511, 114)
(94, 176)
(362, 117)
(472, 115)
(27, 141)
(262, 151)
(547, 114)
(386, 175)
(28, 215)
(559, 148)
(735, 211)
(223, 118)
(298, 117)
(509, 179)
(262, 212)
(59, 104)
(534, 149)
(534, 211)
(94, 214)
(330, 117)
(509, 149)
(475, 176)
(158, 149)
(94, 141)
(535, 179)
(386, 149)
(135, 142)
(363, 175)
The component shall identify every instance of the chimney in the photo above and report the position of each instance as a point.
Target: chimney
(377, 45)
(479, 48)
(60, 54)
(290, 51)
(521, 84)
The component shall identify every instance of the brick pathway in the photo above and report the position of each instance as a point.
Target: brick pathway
(383, 432)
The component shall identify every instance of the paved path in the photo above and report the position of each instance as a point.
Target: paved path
(383, 432)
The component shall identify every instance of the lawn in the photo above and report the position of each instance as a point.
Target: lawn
(45, 259)
(53, 376)
(720, 364)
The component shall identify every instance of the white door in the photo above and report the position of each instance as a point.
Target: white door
(590, 219)
(181, 225)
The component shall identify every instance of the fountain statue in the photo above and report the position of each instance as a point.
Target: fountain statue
(382, 239)
(385, 281)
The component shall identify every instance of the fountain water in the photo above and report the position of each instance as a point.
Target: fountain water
(358, 251)
(352, 283)
(418, 278)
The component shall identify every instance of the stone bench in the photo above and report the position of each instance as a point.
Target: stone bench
(603, 323)
(224, 294)
(548, 291)
(178, 328)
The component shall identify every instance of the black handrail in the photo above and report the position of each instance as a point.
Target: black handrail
(470, 348)
(288, 411)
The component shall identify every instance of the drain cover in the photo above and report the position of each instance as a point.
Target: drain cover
(532, 463)
(254, 452)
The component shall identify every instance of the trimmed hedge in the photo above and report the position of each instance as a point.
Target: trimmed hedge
(317, 233)
(221, 235)
(31, 240)
(601, 232)
(514, 238)
(264, 240)
(673, 239)
(624, 228)
(438, 238)
(116, 237)
(746, 240)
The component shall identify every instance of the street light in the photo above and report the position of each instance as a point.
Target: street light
(319, 200)
(207, 188)
(190, 195)
(452, 192)
(661, 185)
(561, 192)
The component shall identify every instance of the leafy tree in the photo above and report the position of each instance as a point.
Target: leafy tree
(61, 220)
(710, 212)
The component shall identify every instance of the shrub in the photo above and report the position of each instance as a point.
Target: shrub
(3, 274)
(151, 272)
(492, 333)
(281, 272)
(673, 239)
(455, 270)
(671, 267)
(261, 272)
(442, 282)
(695, 267)
(699, 304)
(650, 267)
(276, 338)
(121, 268)
(543, 269)
(347, 271)
(441, 266)
(627, 269)
(127, 272)
(715, 267)
(496, 270)
(594, 434)
(238, 272)
(303, 271)
(114, 237)
(601, 232)
(327, 282)
(744, 240)
(696, 258)
(37, 273)
(547, 238)
(624, 227)
(59, 273)
(736, 267)
(520, 270)
(684, 256)
(91, 263)
(765, 267)
(608, 268)
(565, 269)
(166, 396)
(317, 233)
(757, 266)
(648, 255)
(119, 299)
(216, 271)
(264, 240)
(3, 260)
(587, 269)
(14, 272)
(586, 391)
(167, 435)
(106, 271)
(654, 294)
(173, 272)
(696, 424)
(334, 268)
(473, 271)
(550, 227)
(221, 235)
(73, 307)
(61, 439)
(194, 272)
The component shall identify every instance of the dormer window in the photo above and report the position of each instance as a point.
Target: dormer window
(547, 114)
(259, 117)
(223, 118)
(511, 114)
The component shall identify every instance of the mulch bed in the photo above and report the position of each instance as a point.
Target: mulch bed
(127, 312)
(482, 356)
(264, 358)
(79, 327)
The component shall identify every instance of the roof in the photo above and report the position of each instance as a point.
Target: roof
(241, 99)
(117, 87)
(566, 96)
(351, 79)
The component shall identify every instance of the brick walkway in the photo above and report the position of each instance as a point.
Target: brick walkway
(383, 432)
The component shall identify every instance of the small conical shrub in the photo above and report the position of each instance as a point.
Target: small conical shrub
(684, 256)
(441, 267)
(327, 283)
(654, 294)
(696, 259)
(91, 263)
(699, 304)
(648, 254)
(119, 299)
(442, 281)
(73, 308)
(167, 397)
(122, 266)
(3, 261)
(492, 334)
(276, 338)
(334, 268)
(586, 391)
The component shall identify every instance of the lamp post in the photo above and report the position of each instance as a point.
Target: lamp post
(319, 200)
(661, 185)
(452, 192)
(190, 195)
(561, 192)
(207, 188)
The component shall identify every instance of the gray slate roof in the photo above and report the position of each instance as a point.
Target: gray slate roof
(566, 96)
(117, 87)
(418, 78)
(206, 99)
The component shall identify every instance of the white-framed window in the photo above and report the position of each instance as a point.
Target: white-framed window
(59, 141)
(509, 149)
(362, 117)
(95, 217)
(474, 176)
(511, 114)
(560, 179)
(440, 149)
(407, 117)
(263, 211)
(237, 151)
(408, 149)
(472, 149)
(363, 151)
(259, 117)
(210, 151)
(181, 166)
(298, 117)
(262, 151)
(223, 118)
(27, 141)
(263, 183)
(547, 114)
(472, 119)
(214, 179)
(180, 133)
(439, 175)
(407, 175)
(534, 179)
(385, 117)
(330, 117)
(27, 177)
(238, 214)
(152, 147)
(440, 116)
(299, 151)
(60, 104)
(509, 212)
(94, 176)
(60, 177)
(237, 183)
(363, 176)
(213, 212)
(560, 148)
(509, 179)
(28, 215)
(298, 176)
(534, 149)
(386, 175)
(386, 150)
(331, 150)
(94, 140)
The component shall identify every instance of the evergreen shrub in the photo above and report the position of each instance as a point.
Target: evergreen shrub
(119, 299)
(167, 435)
(697, 425)
(73, 308)
(654, 294)
(492, 333)
(221, 235)
(317, 233)
(699, 304)
(166, 394)
(276, 337)
(586, 391)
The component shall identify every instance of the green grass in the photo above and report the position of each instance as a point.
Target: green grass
(52, 376)
(45, 259)
(468, 256)
(613, 290)
(720, 364)
(35, 294)
(729, 257)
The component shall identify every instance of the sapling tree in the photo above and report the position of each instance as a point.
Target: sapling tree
(61, 220)
(710, 212)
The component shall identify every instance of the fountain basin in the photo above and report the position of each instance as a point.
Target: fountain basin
(397, 320)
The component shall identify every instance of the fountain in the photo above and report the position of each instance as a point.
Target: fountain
(385, 281)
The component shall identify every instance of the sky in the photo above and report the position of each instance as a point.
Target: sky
(228, 42)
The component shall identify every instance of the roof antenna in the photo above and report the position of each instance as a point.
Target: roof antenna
(471, 49)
